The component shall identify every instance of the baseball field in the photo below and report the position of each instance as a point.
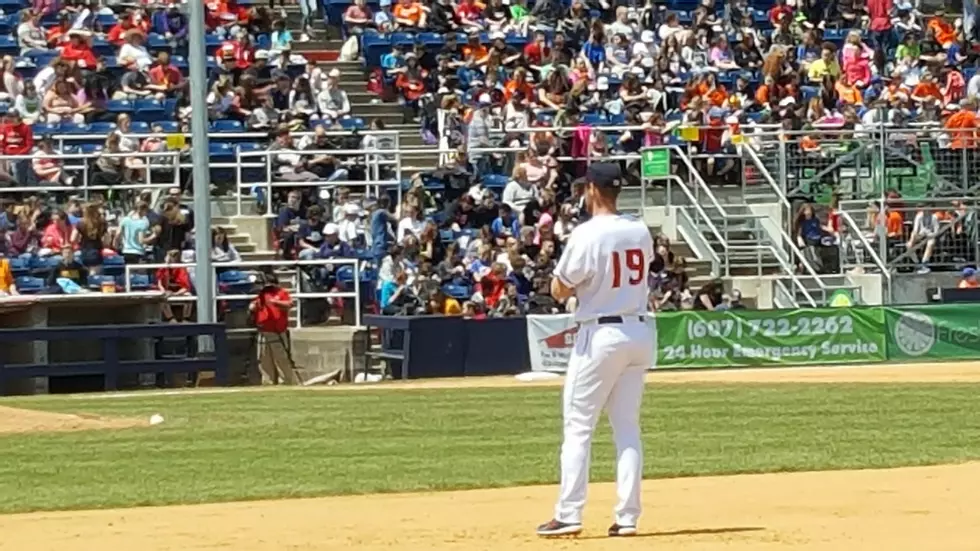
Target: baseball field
(865, 458)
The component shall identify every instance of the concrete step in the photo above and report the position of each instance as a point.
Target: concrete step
(371, 109)
(239, 240)
(257, 256)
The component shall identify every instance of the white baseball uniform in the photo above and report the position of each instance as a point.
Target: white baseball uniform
(606, 261)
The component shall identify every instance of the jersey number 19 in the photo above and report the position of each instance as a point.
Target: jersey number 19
(634, 265)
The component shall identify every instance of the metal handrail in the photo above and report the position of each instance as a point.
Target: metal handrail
(852, 226)
(374, 158)
(355, 294)
(86, 173)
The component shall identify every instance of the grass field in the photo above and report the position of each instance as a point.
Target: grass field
(260, 445)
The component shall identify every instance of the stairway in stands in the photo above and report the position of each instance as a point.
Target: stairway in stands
(324, 47)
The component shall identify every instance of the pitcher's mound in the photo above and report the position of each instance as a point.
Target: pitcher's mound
(16, 420)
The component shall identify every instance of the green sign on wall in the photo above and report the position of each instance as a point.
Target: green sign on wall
(934, 332)
(748, 338)
(655, 163)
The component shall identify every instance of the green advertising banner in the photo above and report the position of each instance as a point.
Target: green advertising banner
(754, 338)
(933, 332)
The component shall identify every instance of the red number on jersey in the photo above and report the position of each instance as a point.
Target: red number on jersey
(634, 263)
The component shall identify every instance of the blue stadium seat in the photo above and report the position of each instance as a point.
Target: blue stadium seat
(8, 45)
(495, 181)
(113, 265)
(19, 267)
(96, 281)
(139, 127)
(72, 128)
(353, 123)
(119, 106)
(102, 127)
(233, 276)
(42, 128)
(139, 282)
(106, 20)
(167, 126)
(226, 125)
(90, 148)
(28, 285)
(458, 292)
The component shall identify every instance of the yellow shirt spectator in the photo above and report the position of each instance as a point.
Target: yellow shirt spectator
(451, 307)
(7, 286)
(821, 68)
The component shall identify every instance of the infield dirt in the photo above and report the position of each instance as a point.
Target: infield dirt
(918, 508)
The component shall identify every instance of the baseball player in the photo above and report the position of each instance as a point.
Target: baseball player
(605, 266)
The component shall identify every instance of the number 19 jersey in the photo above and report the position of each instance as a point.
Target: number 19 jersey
(606, 261)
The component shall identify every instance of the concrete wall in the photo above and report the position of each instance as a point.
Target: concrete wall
(872, 292)
(911, 288)
(321, 351)
(258, 229)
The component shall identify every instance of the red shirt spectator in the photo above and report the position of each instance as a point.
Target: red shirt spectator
(165, 74)
(174, 279)
(271, 309)
(77, 49)
(115, 35)
(536, 52)
(240, 50)
(17, 137)
(880, 13)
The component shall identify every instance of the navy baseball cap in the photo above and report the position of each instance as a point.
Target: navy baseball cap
(605, 175)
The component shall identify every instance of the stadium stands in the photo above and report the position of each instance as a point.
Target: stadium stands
(481, 87)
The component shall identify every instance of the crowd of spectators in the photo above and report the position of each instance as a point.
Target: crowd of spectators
(799, 64)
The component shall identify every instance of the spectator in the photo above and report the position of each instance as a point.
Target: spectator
(28, 104)
(7, 285)
(351, 227)
(56, 235)
(135, 237)
(332, 246)
(410, 224)
(221, 248)
(173, 280)
(270, 311)
(382, 228)
(397, 297)
(18, 140)
(519, 191)
(29, 35)
(90, 238)
(47, 166)
(25, 240)
(506, 224)
(925, 227)
(68, 271)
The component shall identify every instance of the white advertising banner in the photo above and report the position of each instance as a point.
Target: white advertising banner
(550, 340)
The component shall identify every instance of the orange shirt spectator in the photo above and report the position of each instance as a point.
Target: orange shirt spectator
(408, 13)
(848, 93)
(894, 224)
(944, 32)
(513, 86)
(963, 128)
(969, 280)
(7, 286)
(927, 89)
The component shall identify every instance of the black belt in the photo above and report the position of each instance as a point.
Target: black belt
(606, 320)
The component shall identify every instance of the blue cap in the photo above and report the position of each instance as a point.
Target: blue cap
(604, 175)
(969, 272)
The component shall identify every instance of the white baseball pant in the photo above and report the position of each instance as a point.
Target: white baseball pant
(606, 371)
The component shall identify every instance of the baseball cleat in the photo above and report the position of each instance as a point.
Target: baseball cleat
(619, 531)
(555, 528)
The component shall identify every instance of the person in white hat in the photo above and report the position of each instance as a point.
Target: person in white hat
(332, 101)
(351, 227)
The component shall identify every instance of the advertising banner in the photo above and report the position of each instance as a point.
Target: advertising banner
(738, 338)
(761, 338)
(933, 332)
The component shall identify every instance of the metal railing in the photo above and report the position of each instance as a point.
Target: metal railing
(85, 171)
(298, 295)
(374, 159)
(949, 239)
